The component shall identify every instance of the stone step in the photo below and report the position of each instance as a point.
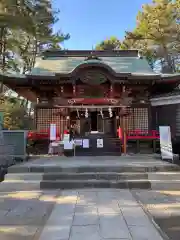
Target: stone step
(157, 176)
(95, 168)
(138, 180)
(95, 153)
(18, 177)
(21, 182)
(95, 176)
(174, 185)
(78, 184)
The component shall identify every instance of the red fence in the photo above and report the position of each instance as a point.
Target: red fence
(42, 135)
(139, 134)
(131, 135)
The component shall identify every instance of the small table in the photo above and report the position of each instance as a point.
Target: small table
(57, 147)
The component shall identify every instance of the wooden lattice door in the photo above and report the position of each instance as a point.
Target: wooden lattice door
(46, 116)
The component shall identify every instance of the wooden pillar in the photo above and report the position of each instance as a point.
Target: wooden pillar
(35, 116)
(124, 135)
(68, 119)
(117, 123)
(124, 127)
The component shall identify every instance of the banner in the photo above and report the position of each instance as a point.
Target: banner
(52, 132)
(165, 143)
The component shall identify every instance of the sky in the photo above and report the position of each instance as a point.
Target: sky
(90, 21)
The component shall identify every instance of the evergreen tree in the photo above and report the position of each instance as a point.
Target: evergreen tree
(111, 43)
(158, 27)
(26, 28)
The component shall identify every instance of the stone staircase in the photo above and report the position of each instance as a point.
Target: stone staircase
(124, 177)
(95, 180)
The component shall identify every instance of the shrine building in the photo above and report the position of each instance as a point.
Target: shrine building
(97, 92)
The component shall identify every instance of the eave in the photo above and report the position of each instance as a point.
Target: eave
(20, 86)
(169, 78)
(165, 100)
(28, 81)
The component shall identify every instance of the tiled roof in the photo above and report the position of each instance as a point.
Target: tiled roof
(65, 65)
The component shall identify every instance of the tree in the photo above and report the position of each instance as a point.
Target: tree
(109, 44)
(13, 15)
(158, 29)
(25, 30)
(15, 114)
(143, 47)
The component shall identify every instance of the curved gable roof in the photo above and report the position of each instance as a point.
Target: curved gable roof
(66, 65)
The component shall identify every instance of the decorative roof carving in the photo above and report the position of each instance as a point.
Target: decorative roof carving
(92, 57)
(93, 77)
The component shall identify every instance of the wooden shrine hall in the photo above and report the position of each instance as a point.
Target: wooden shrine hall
(96, 93)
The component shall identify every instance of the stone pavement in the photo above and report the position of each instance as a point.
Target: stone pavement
(164, 207)
(92, 214)
(97, 214)
(24, 213)
(27, 213)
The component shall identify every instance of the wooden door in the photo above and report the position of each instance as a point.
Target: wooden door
(109, 126)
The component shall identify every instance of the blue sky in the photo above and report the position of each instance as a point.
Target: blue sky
(91, 21)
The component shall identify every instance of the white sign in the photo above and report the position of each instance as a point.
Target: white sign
(99, 143)
(52, 131)
(68, 145)
(66, 137)
(85, 143)
(78, 142)
(55, 144)
(165, 143)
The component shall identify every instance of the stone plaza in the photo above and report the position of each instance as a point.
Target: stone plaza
(83, 214)
(30, 213)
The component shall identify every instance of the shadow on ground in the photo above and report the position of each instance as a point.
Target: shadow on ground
(170, 226)
(164, 207)
(23, 214)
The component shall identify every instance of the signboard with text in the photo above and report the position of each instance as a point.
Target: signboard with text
(99, 143)
(53, 132)
(165, 143)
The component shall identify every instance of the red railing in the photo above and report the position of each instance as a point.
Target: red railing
(131, 135)
(139, 134)
(42, 135)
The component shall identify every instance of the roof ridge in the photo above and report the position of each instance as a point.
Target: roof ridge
(87, 53)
